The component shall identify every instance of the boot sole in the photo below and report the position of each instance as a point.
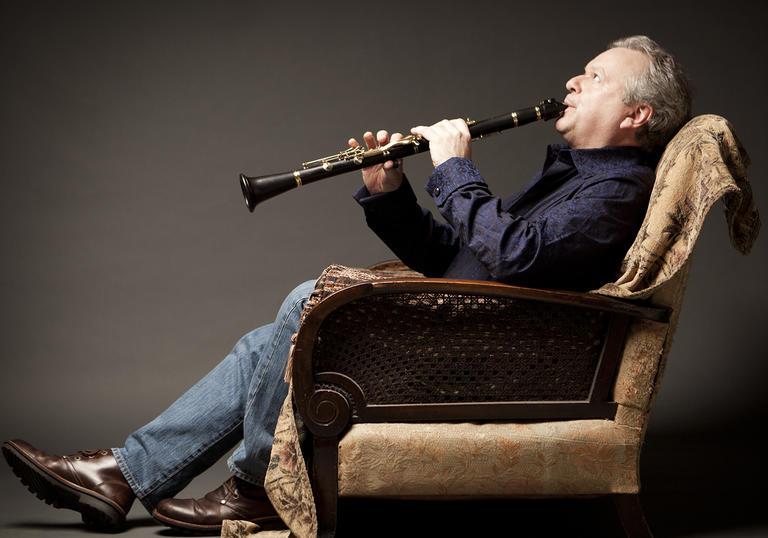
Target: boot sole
(96, 510)
(194, 529)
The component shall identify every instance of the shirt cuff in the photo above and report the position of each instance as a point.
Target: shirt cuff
(450, 176)
(386, 202)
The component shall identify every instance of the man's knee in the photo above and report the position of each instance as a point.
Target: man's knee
(303, 290)
(300, 293)
(294, 301)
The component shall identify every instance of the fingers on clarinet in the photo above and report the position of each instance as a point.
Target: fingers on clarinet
(382, 137)
(370, 142)
(396, 136)
(461, 126)
(352, 143)
(389, 165)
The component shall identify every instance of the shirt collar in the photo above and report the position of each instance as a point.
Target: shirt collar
(589, 161)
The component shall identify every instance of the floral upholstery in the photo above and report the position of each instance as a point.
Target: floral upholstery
(704, 162)
(570, 457)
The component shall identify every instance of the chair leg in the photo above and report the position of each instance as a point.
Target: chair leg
(631, 515)
(326, 483)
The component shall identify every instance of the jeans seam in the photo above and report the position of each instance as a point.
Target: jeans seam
(271, 355)
(189, 459)
(123, 465)
(257, 479)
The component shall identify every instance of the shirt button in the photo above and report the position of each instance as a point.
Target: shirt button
(436, 192)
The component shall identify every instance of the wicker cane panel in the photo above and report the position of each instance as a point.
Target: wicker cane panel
(444, 348)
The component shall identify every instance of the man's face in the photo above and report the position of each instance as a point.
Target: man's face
(596, 109)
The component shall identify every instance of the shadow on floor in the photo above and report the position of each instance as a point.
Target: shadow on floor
(52, 528)
(705, 482)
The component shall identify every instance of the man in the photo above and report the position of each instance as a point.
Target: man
(568, 228)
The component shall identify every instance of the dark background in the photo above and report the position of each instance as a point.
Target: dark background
(131, 265)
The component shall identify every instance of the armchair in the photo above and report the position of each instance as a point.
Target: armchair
(526, 378)
(436, 388)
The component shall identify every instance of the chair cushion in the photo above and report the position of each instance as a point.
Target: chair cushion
(570, 457)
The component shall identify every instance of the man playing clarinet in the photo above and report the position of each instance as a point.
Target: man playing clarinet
(568, 228)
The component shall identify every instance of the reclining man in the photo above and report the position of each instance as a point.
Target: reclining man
(568, 228)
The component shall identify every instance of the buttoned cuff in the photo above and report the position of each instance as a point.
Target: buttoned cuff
(450, 176)
(386, 203)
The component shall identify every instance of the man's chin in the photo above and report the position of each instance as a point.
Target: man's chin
(561, 125)
(565, 132)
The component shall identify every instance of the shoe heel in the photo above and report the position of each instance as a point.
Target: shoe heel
(99, 515)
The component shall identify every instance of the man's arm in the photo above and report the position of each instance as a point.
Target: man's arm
(582, 235)
(422, 243)
(393, 213)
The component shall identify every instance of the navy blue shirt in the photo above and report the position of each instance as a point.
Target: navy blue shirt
(569, 228)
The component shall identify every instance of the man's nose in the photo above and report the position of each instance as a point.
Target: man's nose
(573, 84)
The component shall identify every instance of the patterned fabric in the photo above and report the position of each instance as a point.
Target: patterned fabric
(703, 162)
(581, 211)
(287, 481)
(567, 457)
(245, 529)
(645, 352)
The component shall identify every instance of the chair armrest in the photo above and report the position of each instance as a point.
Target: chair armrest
(390, 268)
(496, 289)
(461, 345)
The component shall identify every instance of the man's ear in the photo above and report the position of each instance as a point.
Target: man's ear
(637, 116)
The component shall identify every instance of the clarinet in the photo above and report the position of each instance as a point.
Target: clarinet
(258, 189)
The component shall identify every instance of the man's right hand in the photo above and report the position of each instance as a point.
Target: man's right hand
(384, 177)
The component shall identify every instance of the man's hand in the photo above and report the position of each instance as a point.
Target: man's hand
(384, 177)
(447, 138)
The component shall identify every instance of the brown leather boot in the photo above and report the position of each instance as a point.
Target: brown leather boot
(89, 482)
(234, 499)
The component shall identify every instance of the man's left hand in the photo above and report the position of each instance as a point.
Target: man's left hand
(447, 138)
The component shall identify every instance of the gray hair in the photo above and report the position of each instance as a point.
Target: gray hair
(664, 86)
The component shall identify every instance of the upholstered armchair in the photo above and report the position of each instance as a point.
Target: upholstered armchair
(434, 388)
(527, 379)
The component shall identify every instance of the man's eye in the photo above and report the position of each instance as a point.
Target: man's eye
(596, 77)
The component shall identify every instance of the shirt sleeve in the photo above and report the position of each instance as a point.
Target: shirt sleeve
(422, 243)
(588, 229)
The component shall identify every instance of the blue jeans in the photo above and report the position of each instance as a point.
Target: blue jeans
(238, 400)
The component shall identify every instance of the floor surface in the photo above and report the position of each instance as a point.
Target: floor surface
(693, 486)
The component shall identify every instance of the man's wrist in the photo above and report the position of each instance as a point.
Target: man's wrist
(451, 175)
(385, 201)
(382, 189)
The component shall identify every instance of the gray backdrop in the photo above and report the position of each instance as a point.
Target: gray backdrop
(130, 263)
